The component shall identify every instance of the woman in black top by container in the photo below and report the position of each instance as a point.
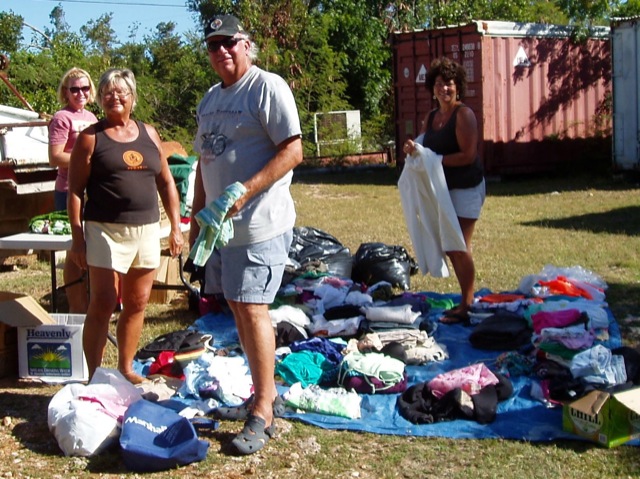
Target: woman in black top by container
(451, 130)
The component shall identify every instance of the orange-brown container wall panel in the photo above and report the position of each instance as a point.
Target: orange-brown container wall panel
(540, 98)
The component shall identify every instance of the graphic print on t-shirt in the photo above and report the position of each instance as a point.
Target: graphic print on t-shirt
(213, 144)
(133, 159)
(79, 125)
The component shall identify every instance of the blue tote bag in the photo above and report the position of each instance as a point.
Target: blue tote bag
(155, 438)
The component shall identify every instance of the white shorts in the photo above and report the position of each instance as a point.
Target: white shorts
(122, 246)
(468, 201)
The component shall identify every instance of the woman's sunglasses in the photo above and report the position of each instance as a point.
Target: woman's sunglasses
(76, 89)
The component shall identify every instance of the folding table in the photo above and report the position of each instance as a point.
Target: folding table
(54, 243)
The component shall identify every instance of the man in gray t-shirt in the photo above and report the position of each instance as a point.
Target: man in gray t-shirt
(248, 132)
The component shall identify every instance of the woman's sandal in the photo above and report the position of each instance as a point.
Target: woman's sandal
(454, 317)
(254, 435)
(243, 411)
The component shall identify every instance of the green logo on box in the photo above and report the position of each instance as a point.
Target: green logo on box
(49, 359)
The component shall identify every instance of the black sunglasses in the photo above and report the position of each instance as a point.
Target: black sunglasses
(76, 89)
(227, 43)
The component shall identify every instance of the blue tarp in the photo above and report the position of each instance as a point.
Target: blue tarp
(520, 417)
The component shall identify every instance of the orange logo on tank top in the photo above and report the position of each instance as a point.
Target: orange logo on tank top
(132, 158)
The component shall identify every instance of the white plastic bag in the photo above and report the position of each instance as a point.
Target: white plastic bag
(85, 420)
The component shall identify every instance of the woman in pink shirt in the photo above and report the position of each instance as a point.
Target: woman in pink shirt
(75, 91)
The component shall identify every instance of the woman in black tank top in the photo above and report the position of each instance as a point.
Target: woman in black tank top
(119, 164)
(451, 130)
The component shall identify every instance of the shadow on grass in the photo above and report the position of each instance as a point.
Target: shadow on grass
(548, 183)
(624, 302)
(379, 175)
(624, 221)
(31, 408)
(513, 185)
(108, 462)
(33, 433)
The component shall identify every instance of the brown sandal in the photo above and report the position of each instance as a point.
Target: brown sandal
(453, 317)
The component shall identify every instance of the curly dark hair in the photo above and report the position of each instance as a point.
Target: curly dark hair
(448, 70)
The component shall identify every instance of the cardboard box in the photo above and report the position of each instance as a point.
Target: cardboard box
(8, 362)
(53, 353)
(164, 218)
(168, 273)
(8, 337)
(8, 350)
(49, 345)
(22, 310)
(607, 419)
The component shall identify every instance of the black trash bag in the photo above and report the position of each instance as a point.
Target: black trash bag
(311, 244)
(375, 262)
(340, 263)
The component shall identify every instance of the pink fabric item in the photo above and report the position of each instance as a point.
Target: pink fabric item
(471, 379)
(554, 319)
(108, 406)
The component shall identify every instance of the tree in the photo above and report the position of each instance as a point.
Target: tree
(630, 8)
(10, 32)
(178, 77)
(100, 36)
(443, 13)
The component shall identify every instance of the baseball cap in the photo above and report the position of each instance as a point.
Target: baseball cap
(223, 25)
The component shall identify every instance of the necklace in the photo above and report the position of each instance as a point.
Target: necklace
(443, 118)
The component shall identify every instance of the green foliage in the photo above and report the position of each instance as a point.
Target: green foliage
(464, 11)
(100, 36)
(357, 29)
(547, 12)
(10, 32)
(37, 89)
(179, 76)
(630, 8)
(586, 12)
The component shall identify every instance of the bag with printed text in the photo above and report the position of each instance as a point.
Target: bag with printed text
(155, 438)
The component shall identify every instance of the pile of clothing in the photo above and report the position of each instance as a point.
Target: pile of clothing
(555, 329)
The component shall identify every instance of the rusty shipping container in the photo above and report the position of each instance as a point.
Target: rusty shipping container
(541, 99)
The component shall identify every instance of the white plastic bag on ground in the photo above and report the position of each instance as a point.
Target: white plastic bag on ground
(86, 419)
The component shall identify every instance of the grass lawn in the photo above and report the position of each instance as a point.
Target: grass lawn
(527, 223)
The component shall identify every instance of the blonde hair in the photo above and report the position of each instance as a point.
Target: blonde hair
(72, 74)
(118, 77)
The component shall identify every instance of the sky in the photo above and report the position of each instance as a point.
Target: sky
(125, 12)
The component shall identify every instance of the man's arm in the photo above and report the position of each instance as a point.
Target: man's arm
(288, 156)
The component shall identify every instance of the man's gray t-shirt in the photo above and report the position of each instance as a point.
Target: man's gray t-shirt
(239, 129)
